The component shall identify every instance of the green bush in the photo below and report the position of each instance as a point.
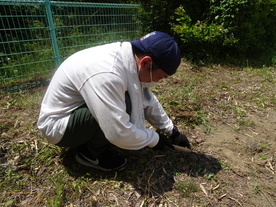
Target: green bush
(158, 15)
(228, 28)
(215, 30)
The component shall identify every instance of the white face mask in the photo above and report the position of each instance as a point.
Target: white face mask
(150, 84)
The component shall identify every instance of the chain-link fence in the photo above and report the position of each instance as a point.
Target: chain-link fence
(36, 36)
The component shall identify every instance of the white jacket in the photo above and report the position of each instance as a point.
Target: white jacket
(99, 77)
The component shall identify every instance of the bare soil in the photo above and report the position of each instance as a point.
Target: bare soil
(232, 164)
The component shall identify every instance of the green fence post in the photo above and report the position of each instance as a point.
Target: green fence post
(52, 31)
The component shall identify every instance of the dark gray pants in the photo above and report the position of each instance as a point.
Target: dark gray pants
(84, 131)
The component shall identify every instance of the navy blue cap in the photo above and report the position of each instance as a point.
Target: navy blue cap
(162, 48)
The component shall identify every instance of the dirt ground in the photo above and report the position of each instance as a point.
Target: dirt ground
(232, 164)
(243, 138)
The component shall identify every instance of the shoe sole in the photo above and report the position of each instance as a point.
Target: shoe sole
(89, 164)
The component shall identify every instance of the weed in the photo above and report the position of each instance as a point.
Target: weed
(263, 157)
(201, 119)
(234, 73)
(4, 128)
(240, 112)
(210, 175)
(9, 173)
(225, 86)
(10, 103)
(256, 188)
(75, 186)
(224, 165)
(186, 187)
(265, 72)
(226, 107)
(59, 190)
(10, 202)
(258, 147)
(245, 123)
(237, 80)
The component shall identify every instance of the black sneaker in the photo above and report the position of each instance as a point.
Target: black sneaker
(108, 160)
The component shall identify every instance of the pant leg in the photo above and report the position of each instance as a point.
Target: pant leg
(84, 131)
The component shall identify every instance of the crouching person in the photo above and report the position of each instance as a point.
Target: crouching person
(100, 97)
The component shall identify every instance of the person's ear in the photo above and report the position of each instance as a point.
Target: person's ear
(145, 62)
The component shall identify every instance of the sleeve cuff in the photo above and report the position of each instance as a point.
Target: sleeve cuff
(154, 140)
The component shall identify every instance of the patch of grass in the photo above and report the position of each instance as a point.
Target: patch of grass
(225, 86)
(36, 173)
(4, 128)
(25, 98)
(263, 157)
(183, 103)
(224, 165)
(210, 175)
(201, 119)
(258, 147)
(186, 187)
(245, 123)
(240, 112)
(57, 200)
(265, 72)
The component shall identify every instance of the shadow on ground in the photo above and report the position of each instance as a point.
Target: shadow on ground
(149, 172)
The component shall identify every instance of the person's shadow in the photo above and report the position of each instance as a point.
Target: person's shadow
(148, 171)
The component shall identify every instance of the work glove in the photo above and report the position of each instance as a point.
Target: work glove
(163, 141)
(179, 138)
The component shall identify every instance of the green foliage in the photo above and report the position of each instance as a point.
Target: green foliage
(236, 31)
(201, 31)
(256, 188)
(158, 15)
(28, 49)
(186, 187)
(228, 27)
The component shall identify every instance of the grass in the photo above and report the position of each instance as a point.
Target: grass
(186, 108)
(34, 173)
(187, 188)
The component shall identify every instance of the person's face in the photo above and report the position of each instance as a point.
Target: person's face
(145, 70)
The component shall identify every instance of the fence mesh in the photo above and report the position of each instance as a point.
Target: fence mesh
(36, 36)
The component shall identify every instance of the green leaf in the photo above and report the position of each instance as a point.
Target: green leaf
(9, 202)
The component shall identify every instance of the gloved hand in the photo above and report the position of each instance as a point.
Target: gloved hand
(163, 141)
(179, 138)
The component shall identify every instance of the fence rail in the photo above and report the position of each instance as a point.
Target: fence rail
(36, 36)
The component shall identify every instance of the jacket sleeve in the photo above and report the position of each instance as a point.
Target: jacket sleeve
(155, 114)
(104, 95)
